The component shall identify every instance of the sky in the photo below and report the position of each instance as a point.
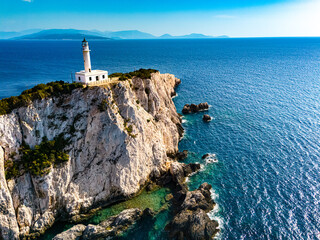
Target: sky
(236, 18)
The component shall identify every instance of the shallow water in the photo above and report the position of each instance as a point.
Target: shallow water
(265, 96)
(155, 200)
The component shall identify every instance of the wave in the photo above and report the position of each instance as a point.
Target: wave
(211, 158)
(213, 214)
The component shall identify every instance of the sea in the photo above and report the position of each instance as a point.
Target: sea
(263, 140)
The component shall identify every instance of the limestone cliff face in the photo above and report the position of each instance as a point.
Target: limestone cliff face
(107, 161)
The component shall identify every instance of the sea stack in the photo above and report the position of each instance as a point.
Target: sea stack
(193, 108)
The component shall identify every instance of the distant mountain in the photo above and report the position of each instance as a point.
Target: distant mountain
(189, 36)
(130, 34)
(195, 35)
(94, 34)
(166, 36)
(223, 36)
(7, 35)
(66, 36)
(63, 34)
(75, 34)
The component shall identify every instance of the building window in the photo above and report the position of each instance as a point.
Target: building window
(103, 76)
(79, 78)
(89, 69)
(97, 78)
(90, 78)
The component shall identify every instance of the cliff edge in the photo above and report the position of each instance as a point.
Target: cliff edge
(116, 138)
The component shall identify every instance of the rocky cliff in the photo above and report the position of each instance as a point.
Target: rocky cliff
(119, 137)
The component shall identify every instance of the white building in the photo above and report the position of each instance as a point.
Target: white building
(88, 76)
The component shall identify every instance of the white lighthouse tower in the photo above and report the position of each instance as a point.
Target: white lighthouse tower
(86, 56)
(89, 76)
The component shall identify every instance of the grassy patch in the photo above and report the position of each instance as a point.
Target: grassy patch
(141, 73)
(129, 128)
(41, 91)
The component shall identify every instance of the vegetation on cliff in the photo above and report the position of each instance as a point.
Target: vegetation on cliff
(41, 91)
(39, 160)
(141, 73)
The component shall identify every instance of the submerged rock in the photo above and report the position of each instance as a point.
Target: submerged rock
(193, 108)
(109, 228)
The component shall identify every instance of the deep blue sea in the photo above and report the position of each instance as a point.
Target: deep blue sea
(265, 103)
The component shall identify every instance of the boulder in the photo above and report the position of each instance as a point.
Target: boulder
(203, 106)
(177, 172)
(190, 168)
(182, 155)
(73, 233)
(108, 228)
(205, 156)
(193, 225)
(186, 109)
(191, 220)
(206, 118)
(200, 198)
(193, 108)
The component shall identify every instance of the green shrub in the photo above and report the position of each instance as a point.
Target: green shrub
(11, 169)
(41, 91)
(38, 161)
(103, 105)
(141, 73)
(129, 129)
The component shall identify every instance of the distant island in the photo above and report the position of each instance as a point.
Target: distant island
(75, 34)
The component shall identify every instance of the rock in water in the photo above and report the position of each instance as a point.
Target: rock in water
(112, 226)
(206, 118)
(118, 135)
(73, 233)
(205, 156)
(193, 108)
(192, 222)
(182, 155)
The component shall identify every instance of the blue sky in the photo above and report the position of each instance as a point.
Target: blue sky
(238, 18)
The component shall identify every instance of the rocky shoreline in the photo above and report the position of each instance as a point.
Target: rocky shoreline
(119, 139)
(190, 220)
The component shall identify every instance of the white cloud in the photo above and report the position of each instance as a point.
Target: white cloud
(27, 1)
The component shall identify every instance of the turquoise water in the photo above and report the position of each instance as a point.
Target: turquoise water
(157, 200)
(264, 96)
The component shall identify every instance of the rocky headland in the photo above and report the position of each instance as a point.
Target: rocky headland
(62, 155)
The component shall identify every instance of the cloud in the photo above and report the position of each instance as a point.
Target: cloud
(27, 1)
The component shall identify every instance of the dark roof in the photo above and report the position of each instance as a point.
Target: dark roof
(84, 40)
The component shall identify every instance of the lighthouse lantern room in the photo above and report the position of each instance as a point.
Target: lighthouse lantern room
(89, 76)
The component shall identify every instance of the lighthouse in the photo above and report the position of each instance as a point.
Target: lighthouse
(86, 56)
(89, 76)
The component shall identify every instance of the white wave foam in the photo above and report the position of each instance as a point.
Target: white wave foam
(184, 120)
(202, 167)
(212, 158)
(213, 214)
